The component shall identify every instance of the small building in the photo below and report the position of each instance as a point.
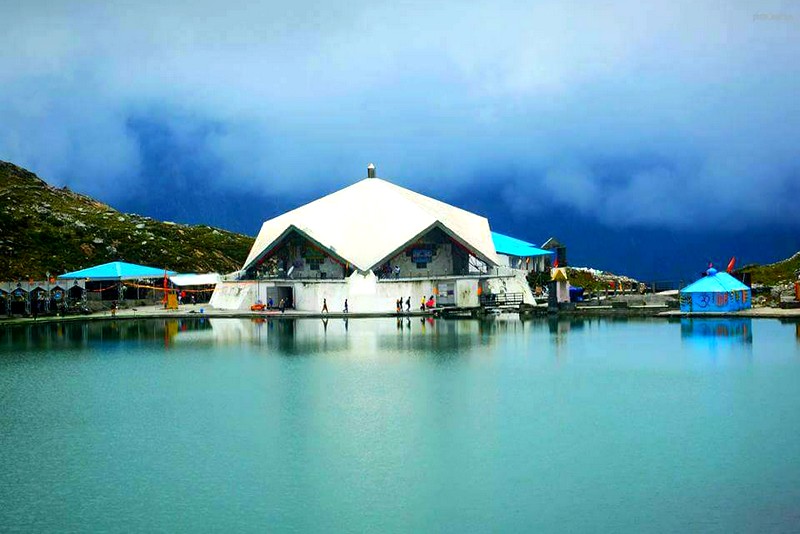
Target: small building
(18, 303)
(560, 251)
(715, 292)
(518, 254)
(39, 299)
(77, 291)
(105, 281)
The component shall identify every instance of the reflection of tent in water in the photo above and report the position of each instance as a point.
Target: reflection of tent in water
(715, 292)
(739, 330)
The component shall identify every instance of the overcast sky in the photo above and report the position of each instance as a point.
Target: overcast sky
(657, 117)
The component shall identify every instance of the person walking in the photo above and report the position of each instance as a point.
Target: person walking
(422, 304)
(324, 305)
(346, 310)
(282, 305)
(408, 304)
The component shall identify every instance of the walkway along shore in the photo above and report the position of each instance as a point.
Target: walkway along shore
(194, 311)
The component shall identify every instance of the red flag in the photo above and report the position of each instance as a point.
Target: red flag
(731, 264)
(555, 264)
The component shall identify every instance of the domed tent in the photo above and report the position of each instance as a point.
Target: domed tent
(715, 292)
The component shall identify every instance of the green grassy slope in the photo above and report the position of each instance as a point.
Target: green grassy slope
(47, 229)
(775, 273)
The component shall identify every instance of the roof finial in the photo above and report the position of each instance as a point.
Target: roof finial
(371, 170)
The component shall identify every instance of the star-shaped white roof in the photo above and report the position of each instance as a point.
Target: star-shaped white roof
(366, 223)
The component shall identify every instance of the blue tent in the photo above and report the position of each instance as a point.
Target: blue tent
(512, 246)
(715, 292)
(117, 270)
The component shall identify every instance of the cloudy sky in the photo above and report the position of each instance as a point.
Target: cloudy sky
(645, 135)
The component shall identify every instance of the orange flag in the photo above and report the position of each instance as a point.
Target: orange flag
(731, 265)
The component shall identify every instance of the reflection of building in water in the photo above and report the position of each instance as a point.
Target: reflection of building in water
(59, 335)
(560, 328)
(362, 338)
(354, 336)
(738, 330)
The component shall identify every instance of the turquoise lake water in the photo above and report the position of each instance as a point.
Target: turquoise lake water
(376, 425)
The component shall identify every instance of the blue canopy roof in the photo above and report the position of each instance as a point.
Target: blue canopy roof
(512, 246)
(117, 270)
(715, 282)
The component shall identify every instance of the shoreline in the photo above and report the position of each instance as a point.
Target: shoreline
(190, 311)
(193, 312)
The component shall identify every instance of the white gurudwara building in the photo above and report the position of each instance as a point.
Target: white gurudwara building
(371, 243)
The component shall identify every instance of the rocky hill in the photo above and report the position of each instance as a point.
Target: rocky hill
(47, 229)
(779, 273)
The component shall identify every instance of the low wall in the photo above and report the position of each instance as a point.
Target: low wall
(364, 293)
(233, 295)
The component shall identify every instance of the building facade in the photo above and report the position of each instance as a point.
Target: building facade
(371, 244)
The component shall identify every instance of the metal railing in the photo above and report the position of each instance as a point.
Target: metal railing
(501, 299)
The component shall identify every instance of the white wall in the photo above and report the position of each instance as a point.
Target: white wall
(516, 283)
(365, 293)
(467, 292)
(234, 295)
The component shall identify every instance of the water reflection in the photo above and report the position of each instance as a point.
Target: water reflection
(287, 336)
(74, 334)
(718, 331)
(331, 335)
(291, 336)
(559, 329)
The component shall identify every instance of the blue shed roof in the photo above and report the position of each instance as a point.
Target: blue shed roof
(715, 282)
(512, 246)
(117, 270)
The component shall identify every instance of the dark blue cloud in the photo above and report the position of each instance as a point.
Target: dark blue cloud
(645, 134)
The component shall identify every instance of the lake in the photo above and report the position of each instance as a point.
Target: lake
(421, 425)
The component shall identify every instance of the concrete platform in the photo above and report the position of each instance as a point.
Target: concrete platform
(193, 311)
(189, 311)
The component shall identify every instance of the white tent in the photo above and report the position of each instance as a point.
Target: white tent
(368, 222)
